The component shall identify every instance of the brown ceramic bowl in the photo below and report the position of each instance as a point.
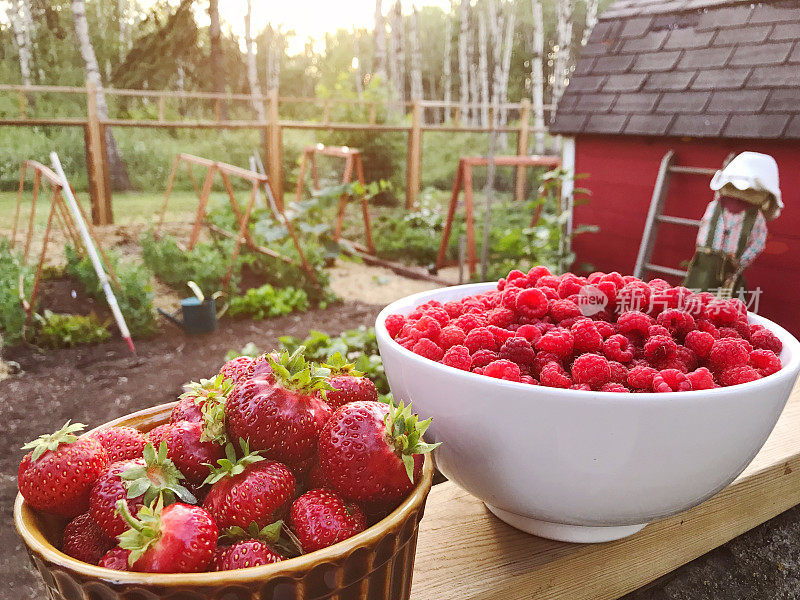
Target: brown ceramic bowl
(376, 563)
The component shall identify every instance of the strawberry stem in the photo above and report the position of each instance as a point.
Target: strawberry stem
(51, 441)
(404, 433)
(294, 373)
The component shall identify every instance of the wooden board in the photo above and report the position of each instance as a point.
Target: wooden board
(465, 552)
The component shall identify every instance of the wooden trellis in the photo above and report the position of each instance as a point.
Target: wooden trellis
(352, 163)
(463, 180)
(58, 213)
(257, 181)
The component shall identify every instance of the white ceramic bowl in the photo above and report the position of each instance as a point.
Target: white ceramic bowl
(584, 466)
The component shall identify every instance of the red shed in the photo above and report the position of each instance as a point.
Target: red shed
(704, 79)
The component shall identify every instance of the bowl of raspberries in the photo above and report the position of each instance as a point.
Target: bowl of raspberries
(277, 478)
(583, 408)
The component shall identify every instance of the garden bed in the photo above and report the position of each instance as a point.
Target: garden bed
(94, 384)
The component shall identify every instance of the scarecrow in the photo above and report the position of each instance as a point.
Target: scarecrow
(733, 230)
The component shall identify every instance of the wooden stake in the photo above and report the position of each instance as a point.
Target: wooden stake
(37, 179)
(275, 155)
(348, 170)
(95, 160)
(470, 222)
(414, 161)
(365, 206)
(522, 148)
(170, 181)
(451, 211)
(23, 168)
(201, 206)
(40, 266)
(301, 176)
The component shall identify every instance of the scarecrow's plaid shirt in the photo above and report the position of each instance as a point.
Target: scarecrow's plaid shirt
(726, 237)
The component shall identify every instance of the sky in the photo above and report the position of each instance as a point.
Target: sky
(308, 18)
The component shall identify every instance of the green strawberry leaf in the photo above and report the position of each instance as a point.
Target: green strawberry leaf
(143, 531)
(51, 441)
(157, 478)
(405, 430)
(230, 465)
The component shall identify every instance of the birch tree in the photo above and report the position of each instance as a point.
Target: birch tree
(19, 12)
(416, 57)
(379, 66)
(463, 60)
(275, 48)
(537, 76)
(508, 44)
(215, 37)
(561, 67)
(119, 175)
(252, 72)
(591, 20)
(446, 67)
(483, 67)
(357, 63)
(396, 57)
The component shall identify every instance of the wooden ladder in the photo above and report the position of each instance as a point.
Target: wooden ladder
(655, 214)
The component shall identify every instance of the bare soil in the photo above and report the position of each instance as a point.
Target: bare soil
(93, 384)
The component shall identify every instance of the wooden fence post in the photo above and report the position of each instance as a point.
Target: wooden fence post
(414, 160)
(95, 161)
(522, 148)
(275, 154)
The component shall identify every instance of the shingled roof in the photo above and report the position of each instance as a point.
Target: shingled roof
(694, 68)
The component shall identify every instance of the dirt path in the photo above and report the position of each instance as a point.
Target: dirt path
(93, 384)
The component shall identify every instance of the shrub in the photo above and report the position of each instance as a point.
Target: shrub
(205, 264)
(266, 302)
(134, 294)
(12, 313)
(60, 331)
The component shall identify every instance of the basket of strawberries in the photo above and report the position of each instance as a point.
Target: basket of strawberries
(275, 479)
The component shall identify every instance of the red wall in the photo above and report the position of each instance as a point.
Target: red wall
(622, 172)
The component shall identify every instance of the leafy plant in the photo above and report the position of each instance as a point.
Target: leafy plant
(357, 345)
(205, 264)
(13, 273)
(266, 302)
(134, 293)
(65, 331)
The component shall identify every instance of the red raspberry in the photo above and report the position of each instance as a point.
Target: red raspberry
(634, 321)
(671, 380)
(660, 347)
(428, 349)
(518, 350)
(592, 369)
(618, 347)
(537, 273)
(743, 328)
(454, 309)
(605, 328)
(554, 375)
(500, 334)
(458, 357)
(614, 278)
(481, 358)
(658, 330)
(518, 278)
(687, 357)
(451, 336)
(610, 291)
(548, 281)
(641, 377)
(766, 362)
(581, 386)
(500, 317)
(658, 284)
(701, 379)
(699, 342)
(619, 372)
(528, 379)
(468, 322)
(722, 312)
(729, 332)
(671, 363)
(677, 322)
(542, 359)
(569, 286)
(394, 325)
(634, 296)
(480, 339)
(407, 343)
(557, 341)
(766, 340)
(614, 387)
(510, 297)
(708, 327)
(564, 309)
(737, 375)
(438, 313)
(727, 353)
(594, 277)
(426, 327)
(502, 369)
(532, 303)
(529, 332)
(586, 337)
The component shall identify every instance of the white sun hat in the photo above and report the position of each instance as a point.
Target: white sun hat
(752, 171)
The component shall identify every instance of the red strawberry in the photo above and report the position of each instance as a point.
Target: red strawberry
(178, 538)
(372, 452)
(57, 476)
(250, 548)
(139, 482)
(248, 490)
(191, 448)
(121, 443)
(280, 415)
(84, 540)
(116, 558)
(236, 368)
(320, 518)
(348, 384)
(201, 397)
(314, 477)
